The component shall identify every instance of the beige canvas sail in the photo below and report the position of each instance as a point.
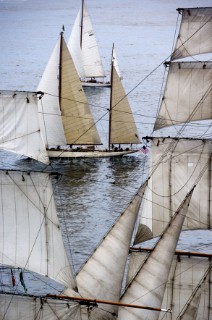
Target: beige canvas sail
(188, 94)
(195, 35)
(171, 180)
(77, 119)
(29, 222)
(123, 129)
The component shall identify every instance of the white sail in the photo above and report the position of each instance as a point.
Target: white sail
(195, 33)
(172, 179)
(102, 274)
(188, 285)
(115, 63)
(187, 289)
(29, 222)
(13, 307)
(148, 286)
(48, 105)
(19, 125)
(83, 37)
(122, 129)
(66, 115)
(188, 94)
(74, 46)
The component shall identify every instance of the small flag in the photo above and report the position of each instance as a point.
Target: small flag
(22, 281)
(12, 278)
(144, 150)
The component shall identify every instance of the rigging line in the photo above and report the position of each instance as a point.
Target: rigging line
(53, 311)
(120, 111)
(24, 135)
(67, 233)
(176, 122)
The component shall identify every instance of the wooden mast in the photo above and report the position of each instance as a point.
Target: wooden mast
(81, 25)
(111, 93)
(94, 302)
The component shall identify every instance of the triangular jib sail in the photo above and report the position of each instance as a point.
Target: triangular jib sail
(122, 128)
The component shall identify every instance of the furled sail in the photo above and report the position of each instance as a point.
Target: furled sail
(19, 125)
(102, 274)
(148, 286)
(29, 221)
(188, 94)
(174, 176)
(195, 34)
(13, 307)
(83, 37)
(122, 125)
(63, 107)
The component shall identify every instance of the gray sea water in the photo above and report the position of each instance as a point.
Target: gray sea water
(93, 193)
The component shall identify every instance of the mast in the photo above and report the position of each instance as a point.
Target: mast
(111, 95)
(60, 67)
(81, 24)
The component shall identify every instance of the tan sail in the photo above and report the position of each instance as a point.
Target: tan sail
(173, 177)
(77, 120)
(195, 33)
(66, 114)
(122, 125)
(188, 94)
(102, 275)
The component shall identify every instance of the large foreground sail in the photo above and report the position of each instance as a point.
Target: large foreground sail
(14, 307)
(148, 285)
(173, 177)
(29, 222)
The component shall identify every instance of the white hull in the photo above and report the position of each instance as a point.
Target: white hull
(87, 154)
(95, 84)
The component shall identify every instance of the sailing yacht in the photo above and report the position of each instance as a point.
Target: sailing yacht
(63, 125)
(85, 52)
(157, 283)
(66, 119)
